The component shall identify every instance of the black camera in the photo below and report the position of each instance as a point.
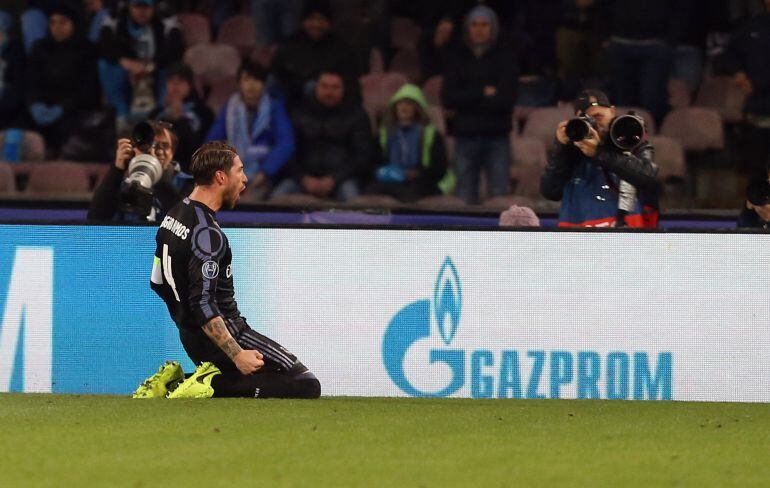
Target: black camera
(579, 128)
(144, 171)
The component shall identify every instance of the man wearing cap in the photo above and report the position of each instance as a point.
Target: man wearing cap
(136, 47)
(311, 51)
(587, 176)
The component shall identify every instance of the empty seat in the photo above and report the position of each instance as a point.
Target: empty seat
(436, 115)
(32, 146)
(211, 62)
(542, 122)
(669, 156)
(679, 95)
(377, 90)
(264, 55)
(404, 32)
(432, 89)
(529, 161)
(196, 27)
(407, 62)
(7, 178)
(58, 177)
(376, 61)
(696, 128)
(239, 31)
(221, 91)
(644, 114)
(723, 95)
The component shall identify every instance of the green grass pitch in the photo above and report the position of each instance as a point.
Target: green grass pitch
(84, 441)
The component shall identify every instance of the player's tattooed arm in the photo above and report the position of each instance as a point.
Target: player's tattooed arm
(216, 330)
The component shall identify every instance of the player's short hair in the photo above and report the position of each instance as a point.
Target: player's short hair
(209, 158)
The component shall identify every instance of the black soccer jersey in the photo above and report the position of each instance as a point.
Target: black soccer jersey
(192, 271)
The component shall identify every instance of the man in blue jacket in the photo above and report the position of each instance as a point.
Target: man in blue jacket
(587, 176)
(257, 125)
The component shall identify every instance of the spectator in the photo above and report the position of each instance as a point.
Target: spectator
(746, 58)
(640, 50)
(578, 45)
(413, 152)
(12, 74)
(312, 50)
(183, 108)
(275, 20)
(586, 176)
(334, 143)
(742, 10)
(106, 202)
(96, 12)
(480, 87)
(257, 125)
(136, 49)
(434, 46)
(62, 83)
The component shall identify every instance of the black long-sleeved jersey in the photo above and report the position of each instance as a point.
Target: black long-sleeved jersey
(192, 271)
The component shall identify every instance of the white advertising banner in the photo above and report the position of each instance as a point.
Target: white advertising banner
(515, 314)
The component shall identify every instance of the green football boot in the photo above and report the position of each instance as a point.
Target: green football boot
(199, 384)
(167, 378)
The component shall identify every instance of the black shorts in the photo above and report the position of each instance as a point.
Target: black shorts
(201, 348)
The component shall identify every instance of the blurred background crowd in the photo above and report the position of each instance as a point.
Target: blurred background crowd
(382, 102)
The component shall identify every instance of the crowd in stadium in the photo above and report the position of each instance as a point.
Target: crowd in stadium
(339, 99)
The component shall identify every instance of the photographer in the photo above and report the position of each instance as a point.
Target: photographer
(593, 177)
(111, 197)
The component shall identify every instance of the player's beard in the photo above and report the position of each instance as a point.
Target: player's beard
(231, 198)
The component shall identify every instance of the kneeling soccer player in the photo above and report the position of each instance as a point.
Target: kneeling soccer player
(192, 273)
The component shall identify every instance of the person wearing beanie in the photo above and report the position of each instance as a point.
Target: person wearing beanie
(479, 89)
(315, 48)
(184, 109)
(62, 82)
(12, 75)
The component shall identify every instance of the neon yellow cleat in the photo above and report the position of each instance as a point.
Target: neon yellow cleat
(199, 384)
(167, 378)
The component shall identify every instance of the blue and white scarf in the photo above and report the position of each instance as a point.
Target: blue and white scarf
(250, 146)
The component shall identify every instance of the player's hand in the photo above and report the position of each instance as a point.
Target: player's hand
(561, 133)
(248, 361)
(590, 144)
(123, 154)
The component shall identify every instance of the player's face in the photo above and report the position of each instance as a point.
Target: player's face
(235, 184)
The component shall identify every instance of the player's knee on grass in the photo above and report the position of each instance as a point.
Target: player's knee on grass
(309, 389)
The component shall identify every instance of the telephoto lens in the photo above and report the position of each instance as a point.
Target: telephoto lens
(627, 131)
(579, 128)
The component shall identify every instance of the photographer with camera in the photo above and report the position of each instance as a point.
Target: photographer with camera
(144, 181)
(602, 170)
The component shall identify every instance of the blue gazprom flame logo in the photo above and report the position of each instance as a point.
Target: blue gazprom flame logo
(413, 323)
(447, 301)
